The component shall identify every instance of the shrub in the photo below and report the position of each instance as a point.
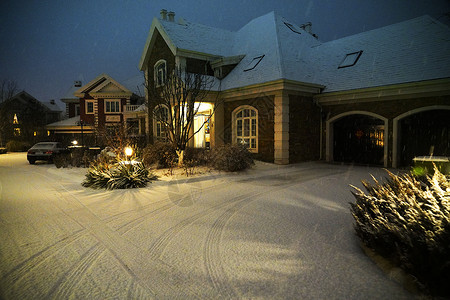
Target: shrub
(230, 158)
(408, 222)
(117, 176)
(17, 146)
(62, 160)
(3, 150)
(161, 154)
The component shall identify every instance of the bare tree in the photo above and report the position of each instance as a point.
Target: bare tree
(8, 88)
(182, 94)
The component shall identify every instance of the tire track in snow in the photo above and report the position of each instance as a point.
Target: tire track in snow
(11, 278)
(64, 287)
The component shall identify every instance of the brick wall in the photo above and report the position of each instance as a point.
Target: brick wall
(304, 129)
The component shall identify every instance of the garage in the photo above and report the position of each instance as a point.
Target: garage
(359, 139)
(424, 133)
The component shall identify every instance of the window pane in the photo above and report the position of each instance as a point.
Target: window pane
(246, 113)
(253, 143)
(246, 127)
(247, 143)
(239, 128)
(239, 115)
(253, 113)
(253, 127)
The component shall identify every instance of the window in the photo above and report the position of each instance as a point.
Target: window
(245, 125)
(77, 109)
(160, 117)
(112, 106)
(350, 59)
(291, 27)
(16, 131)
(89, 107)
(254, 63)
(15, 119)
(160, 72)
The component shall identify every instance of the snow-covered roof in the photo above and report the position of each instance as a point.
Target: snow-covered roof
(67, 122)
(410, 51)
(51, 105)
(275, 48)
(70, 92)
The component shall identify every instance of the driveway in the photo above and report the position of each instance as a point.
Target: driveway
(273, 232)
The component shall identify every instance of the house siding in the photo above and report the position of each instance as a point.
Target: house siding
(265, 107)
(304, 129)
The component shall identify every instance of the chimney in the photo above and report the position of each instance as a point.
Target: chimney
(77, 83)
(163, 14)
(171, 15)
(52, 102)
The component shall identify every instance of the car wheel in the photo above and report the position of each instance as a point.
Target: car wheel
(31, 161)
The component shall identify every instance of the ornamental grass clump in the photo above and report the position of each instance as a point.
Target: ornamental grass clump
(119, 175)
(408, 222)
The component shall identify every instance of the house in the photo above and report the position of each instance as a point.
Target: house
(23, 118)
(379, 97)
(94, 108)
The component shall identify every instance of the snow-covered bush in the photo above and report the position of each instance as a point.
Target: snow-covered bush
(119, 175)
(408, 221)
(231, 158)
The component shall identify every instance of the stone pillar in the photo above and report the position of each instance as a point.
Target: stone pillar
(217, 126)
(281, 137)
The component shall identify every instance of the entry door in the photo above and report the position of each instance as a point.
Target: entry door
(199, 137)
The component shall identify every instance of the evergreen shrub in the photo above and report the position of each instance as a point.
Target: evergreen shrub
(17, 146)
(160, 154)
(407, 221)
(230, 158)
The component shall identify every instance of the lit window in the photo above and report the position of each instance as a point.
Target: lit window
(35, 133)
(160, 118)
(246, 127)
(16, 131)
(48, 133)
(89, 107)
(15, 120)
(254, 63)
(112, 106)
(292, 27)
(350, 59)
(160, 72)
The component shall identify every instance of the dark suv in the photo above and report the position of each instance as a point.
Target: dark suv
(44, 151)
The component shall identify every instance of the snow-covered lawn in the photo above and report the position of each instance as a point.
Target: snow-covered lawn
(279, 232)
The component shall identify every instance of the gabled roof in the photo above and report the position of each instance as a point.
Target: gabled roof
(103, 84)
(24, 98)
(274, 48)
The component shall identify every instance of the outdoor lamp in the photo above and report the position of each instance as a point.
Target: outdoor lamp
(74, 142)
(128, 151)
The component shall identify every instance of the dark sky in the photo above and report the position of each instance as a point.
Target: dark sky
(46, 45)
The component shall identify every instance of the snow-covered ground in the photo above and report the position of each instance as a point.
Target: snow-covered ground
(273, 232)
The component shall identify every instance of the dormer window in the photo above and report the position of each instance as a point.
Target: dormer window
(160, 72)
(350, 59)
(254, 63)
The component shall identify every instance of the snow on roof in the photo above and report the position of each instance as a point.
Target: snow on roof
(70, 93)
(410, 51)
(67, 122)
(199, 38)
(414, 50)
(51, 105)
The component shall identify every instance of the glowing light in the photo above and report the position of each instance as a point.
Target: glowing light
(74, 143)
(128, 151)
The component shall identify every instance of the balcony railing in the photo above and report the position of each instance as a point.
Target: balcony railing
(129, 108)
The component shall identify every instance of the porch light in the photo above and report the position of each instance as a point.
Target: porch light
(74, 142)
(128, 151)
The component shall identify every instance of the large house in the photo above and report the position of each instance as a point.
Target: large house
(23, 118)
(378, 97)
(96, 107)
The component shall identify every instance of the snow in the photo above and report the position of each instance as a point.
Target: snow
(272, 232)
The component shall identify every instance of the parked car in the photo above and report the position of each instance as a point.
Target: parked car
(45, 151)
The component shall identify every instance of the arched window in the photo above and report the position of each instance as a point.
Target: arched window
(160, 72)
(160, 118)
(245, 127)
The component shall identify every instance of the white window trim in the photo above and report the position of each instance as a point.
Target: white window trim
(86, 107)
(113, 100)
(155, 122)
(234, 126)
(155, 71)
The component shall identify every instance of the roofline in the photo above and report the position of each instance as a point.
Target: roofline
(427, 88)
(80, 92)
(273, 86)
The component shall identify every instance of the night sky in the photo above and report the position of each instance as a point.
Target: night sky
(46, 45)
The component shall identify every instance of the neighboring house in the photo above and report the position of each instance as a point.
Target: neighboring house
(94, 108)
(378, 97)
(23, 118)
